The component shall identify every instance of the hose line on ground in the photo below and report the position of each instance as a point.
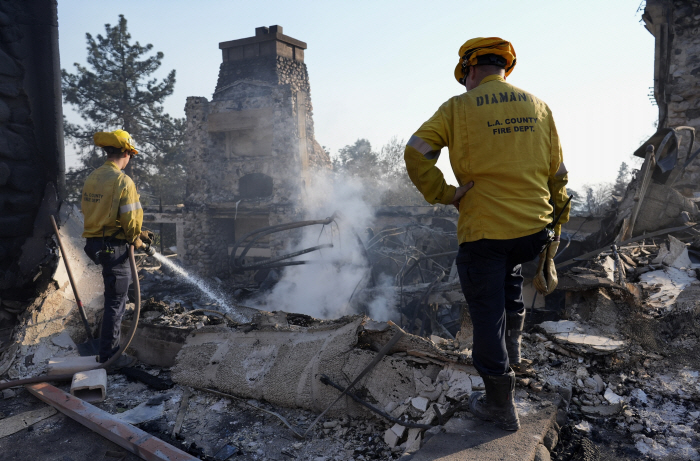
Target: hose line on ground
(115, 357)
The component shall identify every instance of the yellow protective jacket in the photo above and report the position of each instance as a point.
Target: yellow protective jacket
(504, 139)
(111, 204)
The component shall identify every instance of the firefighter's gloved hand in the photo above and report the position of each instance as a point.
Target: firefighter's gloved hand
(146, 236)
(545, 280)
(460, 192)
(138, 244)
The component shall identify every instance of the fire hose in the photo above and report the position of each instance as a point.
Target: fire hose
(115, 357)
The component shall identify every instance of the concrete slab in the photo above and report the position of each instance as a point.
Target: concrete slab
(468, 438)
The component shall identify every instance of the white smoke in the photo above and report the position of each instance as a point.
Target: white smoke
(323, 288)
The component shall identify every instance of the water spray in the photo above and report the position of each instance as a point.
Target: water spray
(206, 288)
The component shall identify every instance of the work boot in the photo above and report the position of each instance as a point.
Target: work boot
(123, 361)
(514, 331)
(498, 402)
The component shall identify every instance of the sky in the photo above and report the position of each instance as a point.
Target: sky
(378, 69)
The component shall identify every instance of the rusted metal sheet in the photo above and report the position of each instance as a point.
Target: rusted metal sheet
(123, 434)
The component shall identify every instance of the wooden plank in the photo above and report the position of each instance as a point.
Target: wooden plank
(645, 179)
(125, 435)
(16, 423)
(636, 239)
(182, 411)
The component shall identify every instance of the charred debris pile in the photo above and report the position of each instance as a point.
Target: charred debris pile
(613, 350)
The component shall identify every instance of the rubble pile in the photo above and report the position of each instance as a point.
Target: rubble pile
(612, 365)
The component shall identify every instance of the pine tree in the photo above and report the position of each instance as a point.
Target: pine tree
(623, 179)
(116, 92)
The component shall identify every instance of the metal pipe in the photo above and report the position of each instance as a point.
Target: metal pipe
(259, 233)
(81, 309)
(326, 380)
(283, 257)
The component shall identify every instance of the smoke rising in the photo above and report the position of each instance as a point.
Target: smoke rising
(324, 287)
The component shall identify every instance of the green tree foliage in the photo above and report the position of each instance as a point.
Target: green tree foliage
(115, 91)
(623, 178)
(384, 172)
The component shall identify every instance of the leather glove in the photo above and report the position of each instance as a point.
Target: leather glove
(546, 279)
(138, 244)
(146, 236)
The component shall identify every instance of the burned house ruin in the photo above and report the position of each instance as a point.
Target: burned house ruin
(615, 372)
(251, 149)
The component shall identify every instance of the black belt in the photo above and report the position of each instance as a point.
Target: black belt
(109, 240)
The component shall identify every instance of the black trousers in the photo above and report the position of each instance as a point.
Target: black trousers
(116, 274)
(490, 275)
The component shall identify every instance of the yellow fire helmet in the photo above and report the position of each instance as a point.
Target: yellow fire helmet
(470, 52)
(118, 138)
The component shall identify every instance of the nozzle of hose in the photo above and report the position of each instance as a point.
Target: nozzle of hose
(148, 249)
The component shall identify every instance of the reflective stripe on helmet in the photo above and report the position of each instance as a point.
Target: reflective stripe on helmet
(423, 147)
(130, 207)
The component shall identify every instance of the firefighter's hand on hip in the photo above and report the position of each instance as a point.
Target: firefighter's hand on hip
(460, 192)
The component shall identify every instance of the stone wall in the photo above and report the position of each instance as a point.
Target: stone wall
(32, 161)
(676, 28)
(251, 148)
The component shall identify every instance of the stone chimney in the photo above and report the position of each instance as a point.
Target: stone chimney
(251, 148)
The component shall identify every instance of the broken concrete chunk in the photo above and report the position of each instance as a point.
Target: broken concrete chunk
(603, 411)
(612, 397)
(639, 395)
(420, 403)
(477, 383)
(600, 385)
(583, 338)
(582, 372)
(390, 438)
(399, 410)
(399, 430)
(413, 440)
(460, 385)
(583, 426)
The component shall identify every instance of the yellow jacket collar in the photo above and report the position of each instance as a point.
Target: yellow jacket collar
(490, 78)
(112, 164)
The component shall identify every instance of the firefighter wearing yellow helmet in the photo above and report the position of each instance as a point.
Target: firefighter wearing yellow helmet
(505, 153)
(113, 219)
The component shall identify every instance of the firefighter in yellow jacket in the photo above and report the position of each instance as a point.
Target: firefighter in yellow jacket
(113, 218)
(505, 153)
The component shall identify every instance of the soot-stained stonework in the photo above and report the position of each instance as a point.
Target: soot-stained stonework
(32, 161)
(252, 149)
